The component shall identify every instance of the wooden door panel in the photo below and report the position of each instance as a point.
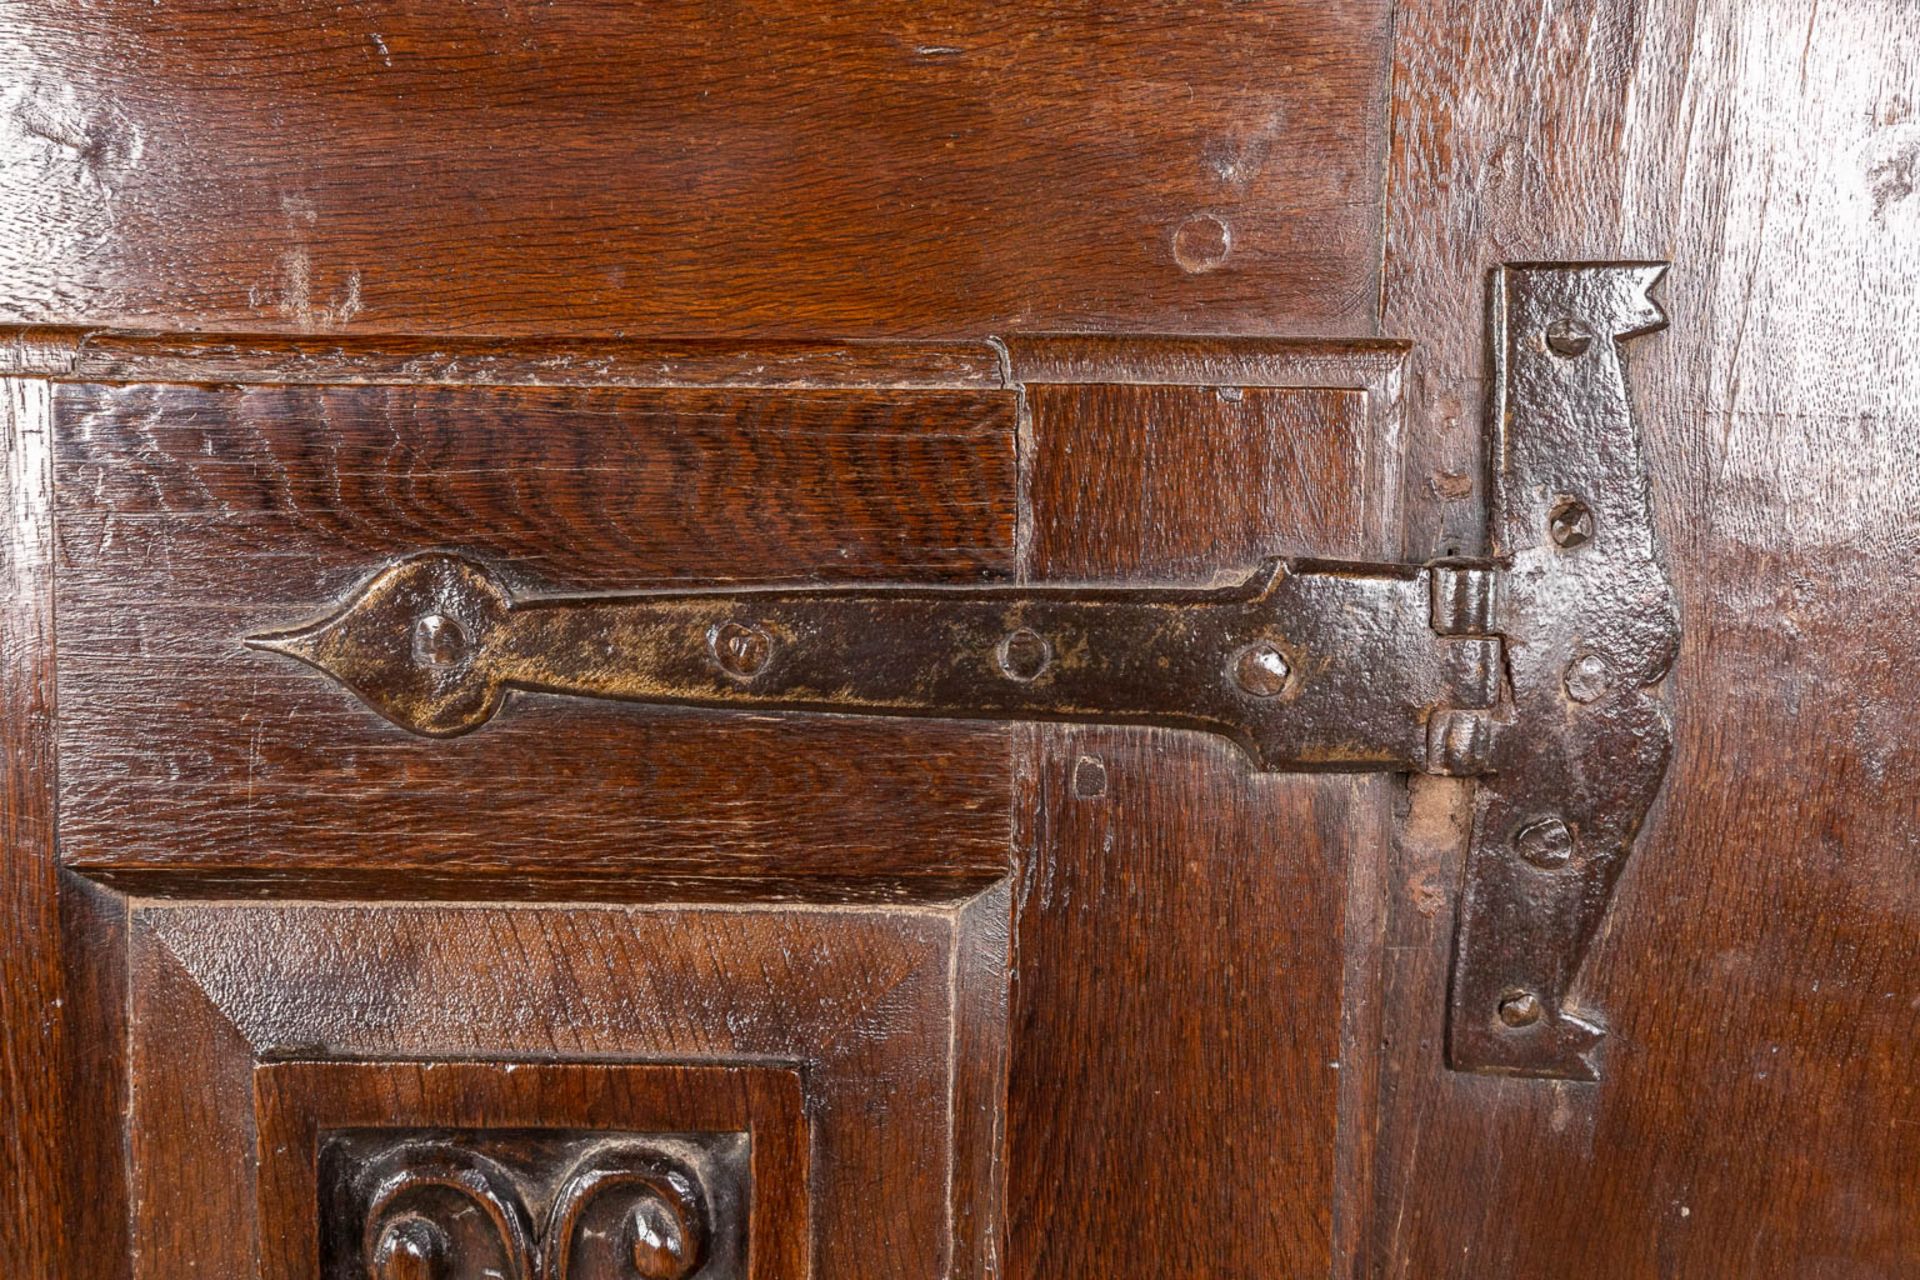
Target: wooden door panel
(671, 1165)
(856, 1008)
(631, 296)
(191, 516)
(1177, 1040)
(684, 168)
(204, 512)
(1757, 1112)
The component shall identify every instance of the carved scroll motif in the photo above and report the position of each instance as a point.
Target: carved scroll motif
(534, 1207)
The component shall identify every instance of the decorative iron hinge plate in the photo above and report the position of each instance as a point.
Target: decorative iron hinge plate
(1530, 670)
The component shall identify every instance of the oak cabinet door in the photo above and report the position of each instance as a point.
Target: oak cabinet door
(561, 707)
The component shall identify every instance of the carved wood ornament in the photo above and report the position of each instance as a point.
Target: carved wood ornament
(429, 1206)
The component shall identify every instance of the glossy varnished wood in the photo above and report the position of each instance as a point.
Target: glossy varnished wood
(194, 516)
(603, 167)
(68, 354)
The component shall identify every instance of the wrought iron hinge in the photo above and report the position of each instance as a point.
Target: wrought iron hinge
(1530, 671)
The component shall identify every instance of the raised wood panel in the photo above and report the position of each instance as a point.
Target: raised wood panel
(191, 516)
(353, 1159)
(860, 1004)
(1758, 1108)
(604, 167)
(1177, 1033)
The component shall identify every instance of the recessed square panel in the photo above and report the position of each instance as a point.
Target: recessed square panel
(518, 1171)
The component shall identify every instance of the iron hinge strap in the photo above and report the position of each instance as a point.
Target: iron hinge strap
(1530, 671)
(1305, 664)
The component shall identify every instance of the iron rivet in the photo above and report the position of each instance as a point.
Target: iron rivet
(1025, 655)
(1522, 1009)
(658, 1241)
(741, 649)
(1588, 678)
(1571, 524)
(1567, 337)
(438, 641)
(1546, 843)
(1261, 669)
(1089, 778)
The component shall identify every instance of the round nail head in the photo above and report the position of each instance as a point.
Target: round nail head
(740, 649)
(1546, 843)
(1521, 1009)
(438, 641)
(1588, 678)
(1568, 337)
(1025, 655)
(1261, 669)
(1571, 524)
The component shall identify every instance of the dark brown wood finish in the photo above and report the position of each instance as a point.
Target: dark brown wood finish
(860, 1003)
(114, 355)
(603, 167)
(33, 1115)
(714, 1157)
(631, 296)
(1757, 1113)
(1176, 1030)
(195, 516)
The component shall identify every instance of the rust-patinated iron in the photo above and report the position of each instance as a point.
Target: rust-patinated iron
(1591, 626)
(1307, 665)
(1531, 670)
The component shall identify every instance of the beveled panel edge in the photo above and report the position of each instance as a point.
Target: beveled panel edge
(239, 885)
(71, 354)
(80, 354)
(1373, 365)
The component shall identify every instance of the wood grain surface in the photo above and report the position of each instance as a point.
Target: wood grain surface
(33, 1042)
(523, 1114)
(1221, 1052)
(1758, 1111)
(860, 1003)
(193, 516)
(601, 167)
(1176, 1037)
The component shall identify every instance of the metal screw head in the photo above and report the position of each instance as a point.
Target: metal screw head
(1570, 524)
(1521, 1009)
(1588, 678)
(438, 641)
(1025, 655)
(1261, 669)
(740, 649)
(1568, 337)
(1546, 843)
(658, 1241)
